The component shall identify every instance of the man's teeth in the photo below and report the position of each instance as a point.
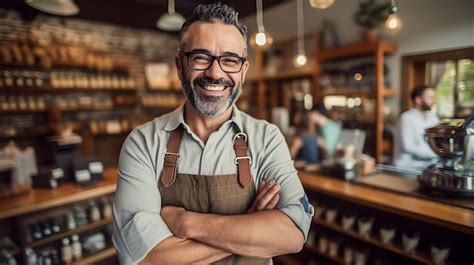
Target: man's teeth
(214, 87)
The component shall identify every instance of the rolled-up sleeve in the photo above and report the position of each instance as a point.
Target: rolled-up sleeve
(277, 164)
(138, 226)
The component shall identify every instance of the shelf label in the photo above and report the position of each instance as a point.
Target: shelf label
(83, 175)
(96, 167)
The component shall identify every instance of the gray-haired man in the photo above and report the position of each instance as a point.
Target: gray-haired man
(207, 183)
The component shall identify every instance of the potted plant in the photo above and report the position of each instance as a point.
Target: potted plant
(371, 14)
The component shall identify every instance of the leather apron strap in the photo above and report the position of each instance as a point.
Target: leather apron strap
(242, 159)
(170, 164)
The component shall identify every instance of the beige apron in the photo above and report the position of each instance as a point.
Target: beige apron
(218, 194)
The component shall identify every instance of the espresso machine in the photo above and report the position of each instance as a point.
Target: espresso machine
(453, 174)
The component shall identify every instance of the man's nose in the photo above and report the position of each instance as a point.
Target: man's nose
(215, 72)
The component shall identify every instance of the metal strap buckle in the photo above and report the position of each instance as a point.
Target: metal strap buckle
(239, 135)
(243, 157)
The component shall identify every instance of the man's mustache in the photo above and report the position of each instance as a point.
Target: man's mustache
(203, 80)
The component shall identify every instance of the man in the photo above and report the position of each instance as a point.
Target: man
(412, 152)
(207, 183)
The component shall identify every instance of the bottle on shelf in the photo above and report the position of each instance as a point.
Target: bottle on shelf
(106, 207)
(66, 251)
(76, 247)
(70, 221)
(31, 257)
(94, 212)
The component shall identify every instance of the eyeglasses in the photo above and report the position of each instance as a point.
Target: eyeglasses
(203, 61)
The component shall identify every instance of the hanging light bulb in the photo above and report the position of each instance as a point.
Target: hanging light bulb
(55, 7)
(261, 39)
(393, 23)
(321, 4)
(300, 59)
(170, 21)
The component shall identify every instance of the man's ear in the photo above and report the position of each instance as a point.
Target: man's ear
(417, 101)
(245, 68)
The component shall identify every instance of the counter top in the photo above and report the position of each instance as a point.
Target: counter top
(444, 215)
(42, 198)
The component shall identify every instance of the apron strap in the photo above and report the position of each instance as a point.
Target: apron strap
(242, 159)
(170, 164)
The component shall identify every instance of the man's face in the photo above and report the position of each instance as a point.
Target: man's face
(212, 91)
(427, 99)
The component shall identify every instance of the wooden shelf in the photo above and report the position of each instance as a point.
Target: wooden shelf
(20, 112)
(101, 255)
(356, 50)
(61, 235)
(24, 90)
(315, 249)
(24, 135)
(161, 107)
(388, 92)
(43, 199)
(396, 248)
(105, 134)
(424, 210)
(287, 260)
(164, 91)
(289, 74)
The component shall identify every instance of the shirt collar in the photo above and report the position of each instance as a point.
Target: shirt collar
(176, 117)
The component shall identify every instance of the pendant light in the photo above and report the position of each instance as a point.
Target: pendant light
(170, 21)
(261, 39)
(393, 23)
(321, 4)
(55, 7)
(300, 59)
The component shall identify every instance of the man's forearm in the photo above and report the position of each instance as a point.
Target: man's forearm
(175, 250)
(261, 234)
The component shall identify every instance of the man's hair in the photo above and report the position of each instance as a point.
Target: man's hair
(319, 107)
(211, 13)
(418, 92)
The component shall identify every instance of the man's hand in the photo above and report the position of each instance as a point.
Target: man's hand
(267, 197)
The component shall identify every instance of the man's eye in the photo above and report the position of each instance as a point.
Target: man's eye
(230, 60)
(200, 59)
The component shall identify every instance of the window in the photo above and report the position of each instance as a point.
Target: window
(454, 84)
(450, 72)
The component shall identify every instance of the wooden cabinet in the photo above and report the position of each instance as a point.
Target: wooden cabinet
(272, 90)
(376, 88)
(437, 224)
(18, 214)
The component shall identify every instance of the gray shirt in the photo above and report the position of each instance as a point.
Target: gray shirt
(411, 149)
(138, 226)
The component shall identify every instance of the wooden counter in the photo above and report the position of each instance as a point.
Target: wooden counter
(437, 213)
(40, 199)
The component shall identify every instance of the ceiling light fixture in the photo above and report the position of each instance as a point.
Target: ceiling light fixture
(393, 23)
(300, 59)
(261, 39)
(170, 21)
(321, 4)
(55, 7)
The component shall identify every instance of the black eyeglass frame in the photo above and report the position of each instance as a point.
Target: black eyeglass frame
(243, 59)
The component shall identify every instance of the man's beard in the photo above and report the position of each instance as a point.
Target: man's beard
(210, 106)
(424, 106)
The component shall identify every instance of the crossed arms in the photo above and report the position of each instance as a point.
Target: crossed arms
(262, 232)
